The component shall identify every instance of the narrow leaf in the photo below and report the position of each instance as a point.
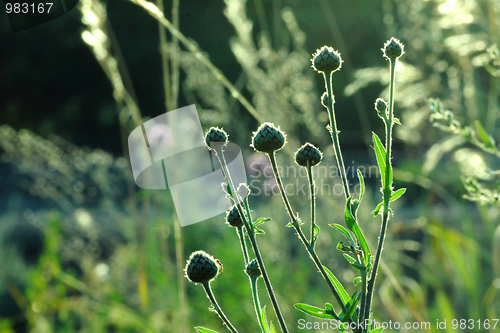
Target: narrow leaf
(361, 185)
(381, 156)
(377, 209)
(485, 138)
(353, 302)
(261, 220)
(316, 312)
(357, 280)
(344, 296)
(377, 330)
(397, 194)
(352, 224)
(349, 258)
(273, 330)
(316, 233)
(200, 329)
(263, 317)
(344, 232)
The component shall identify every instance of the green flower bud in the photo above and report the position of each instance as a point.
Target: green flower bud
(268, 138)
(393, 49)
(233, 218)
(381, 107)
(201, 267)
(215, 135)
(324, 99)
(253, 269)
(326, 60)
(308, 155)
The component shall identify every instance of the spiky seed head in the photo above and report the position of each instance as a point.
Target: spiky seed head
(381, 106)
(233, 217)
(253, 269)
(393, 49)
(324, 99)
(308, 155)
(268, 138)
(201, 267)
(215, 135)
(326, 60)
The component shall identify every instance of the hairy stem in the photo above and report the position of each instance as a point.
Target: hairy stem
(241, 236)
(312, 196)
(300, 233)
(251, 235)
(217, 308)
(256, 302)
(387, 189)
(335, 134)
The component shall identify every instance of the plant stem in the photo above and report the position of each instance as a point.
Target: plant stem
(249, 226)
(217, 308)
(363, 295)
(296, 225)
(243, 244)
(312, 195)
(335, 134)
(256, 302)
(387, 189)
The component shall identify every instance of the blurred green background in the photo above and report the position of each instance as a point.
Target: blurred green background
(83, 249)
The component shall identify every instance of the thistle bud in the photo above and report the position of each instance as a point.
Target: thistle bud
(381, 107)
(201, 267)
(253, 269)
(393, 49)
(233, 218)
(268, 138)
(324, 99)
(326, 60)
(308, 155)
(215, 135)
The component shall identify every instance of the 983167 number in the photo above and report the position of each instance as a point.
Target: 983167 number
(25, 8)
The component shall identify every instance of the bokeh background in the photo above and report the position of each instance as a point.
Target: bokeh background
(83, 249)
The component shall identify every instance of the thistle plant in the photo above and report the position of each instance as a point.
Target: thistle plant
(354, 311)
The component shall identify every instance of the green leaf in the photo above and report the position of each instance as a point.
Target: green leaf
(351, 306)
(289, 225)
(261, 220)
(316, 312)
(200, 329)
(378, 209)
(396, 121)
(258, 231)
(377, 330)
(352, 224)
(349, 258)
(397, 194)
(316, 233)
(487, 139)
(361, 185)
(344, 296)
(273, 330)
(344, 232)
(381, 156)
(357, 280)
(263, 317)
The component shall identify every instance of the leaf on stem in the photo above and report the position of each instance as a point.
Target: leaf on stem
(344, 232)
(200, 329)
(488, 141)
(377, 330)
(381, 156)
(397, 194)
(361, 185)
(326, 313)
(357, 280)
(351, 306)
(344, 296)
(316, 233)
(378, 209)
(352, 224)
(261, 220)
